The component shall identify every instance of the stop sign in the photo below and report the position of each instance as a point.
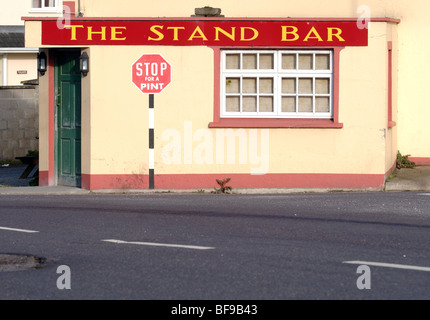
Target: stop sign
(151, 73)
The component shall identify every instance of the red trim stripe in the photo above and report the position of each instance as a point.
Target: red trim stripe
(51, 174)
(420, 161)
(112, 181)
(208, 181)
(219, 122)
(47, 178)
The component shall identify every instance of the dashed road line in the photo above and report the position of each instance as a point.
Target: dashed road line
(389, 265)
(18, 230)
(154, 244)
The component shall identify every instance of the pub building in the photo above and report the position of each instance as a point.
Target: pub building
(174, 95)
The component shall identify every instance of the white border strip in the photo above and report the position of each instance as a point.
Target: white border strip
(4, 70)
(159, 244)
(151, 118)
(389, 265)
(18, 230)
(151, 163)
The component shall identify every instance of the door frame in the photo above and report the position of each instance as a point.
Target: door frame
(55, 84)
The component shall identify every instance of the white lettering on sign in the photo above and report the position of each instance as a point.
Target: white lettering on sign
(151, 86)
(151, 73)
(139, 72)
(150, 69)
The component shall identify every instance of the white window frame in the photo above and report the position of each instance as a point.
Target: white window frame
(277, 73)
(57, 8)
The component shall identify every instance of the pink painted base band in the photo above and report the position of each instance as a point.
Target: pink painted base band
(205, 181)
(420, 161)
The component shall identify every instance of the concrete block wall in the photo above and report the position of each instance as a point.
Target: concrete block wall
(19, 120)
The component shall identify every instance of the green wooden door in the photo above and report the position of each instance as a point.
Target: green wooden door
(68, 118)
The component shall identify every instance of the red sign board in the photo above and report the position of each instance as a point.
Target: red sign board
(151, 73)
(191, 32)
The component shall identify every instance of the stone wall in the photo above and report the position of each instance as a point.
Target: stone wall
(19, 120)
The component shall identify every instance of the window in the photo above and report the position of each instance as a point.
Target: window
(45, 5)
(277, 84)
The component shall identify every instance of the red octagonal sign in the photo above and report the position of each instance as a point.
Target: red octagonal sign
(151, 73)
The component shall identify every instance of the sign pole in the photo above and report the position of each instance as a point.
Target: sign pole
(151, 141)
(151, 73)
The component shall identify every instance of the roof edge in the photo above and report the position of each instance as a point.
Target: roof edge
(376, 19)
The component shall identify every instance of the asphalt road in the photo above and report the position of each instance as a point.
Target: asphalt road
(222, 247)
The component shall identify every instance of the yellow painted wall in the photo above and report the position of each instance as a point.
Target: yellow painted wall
(241, 8)
(414, 134)
(21, 61)
(33, 34)
(120, 144)
(12, 11)
(413, 80)
(392, 132)
(44, 121)
(115, 122)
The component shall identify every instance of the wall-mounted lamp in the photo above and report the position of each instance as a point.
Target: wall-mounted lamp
(84, 63)
(41, 63)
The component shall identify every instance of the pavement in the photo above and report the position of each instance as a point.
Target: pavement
(10, 183)
(405, 179)
(415, 179)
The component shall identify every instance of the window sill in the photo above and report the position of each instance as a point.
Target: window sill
(275, 123)
(54, 10)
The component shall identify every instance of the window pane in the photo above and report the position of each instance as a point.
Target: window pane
(37, 3)
(305, 104)
(266, 104)
(249, 104)
(305, 86)
(266, 61)
(322, 86)
(232, 85)
(50, 3)
(322, 62)
(289, 61)
(232, 61)
(284, 83)
(305, 62)
(288, 85)
(288, 104)
(266, 85)
(249, 85)
(322, 104)
(232, 104)
(249, 61)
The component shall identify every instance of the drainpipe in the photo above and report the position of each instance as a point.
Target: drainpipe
(80, 14)
(4, 69)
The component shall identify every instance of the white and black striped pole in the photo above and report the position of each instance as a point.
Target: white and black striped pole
(151, 73)
(151, 141)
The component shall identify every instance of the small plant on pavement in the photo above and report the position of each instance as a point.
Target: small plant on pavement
(403, 161)
(223, 188)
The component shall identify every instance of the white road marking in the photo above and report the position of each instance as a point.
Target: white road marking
(424, 194)
(389, 265)
(159, 244)
(18, 230)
